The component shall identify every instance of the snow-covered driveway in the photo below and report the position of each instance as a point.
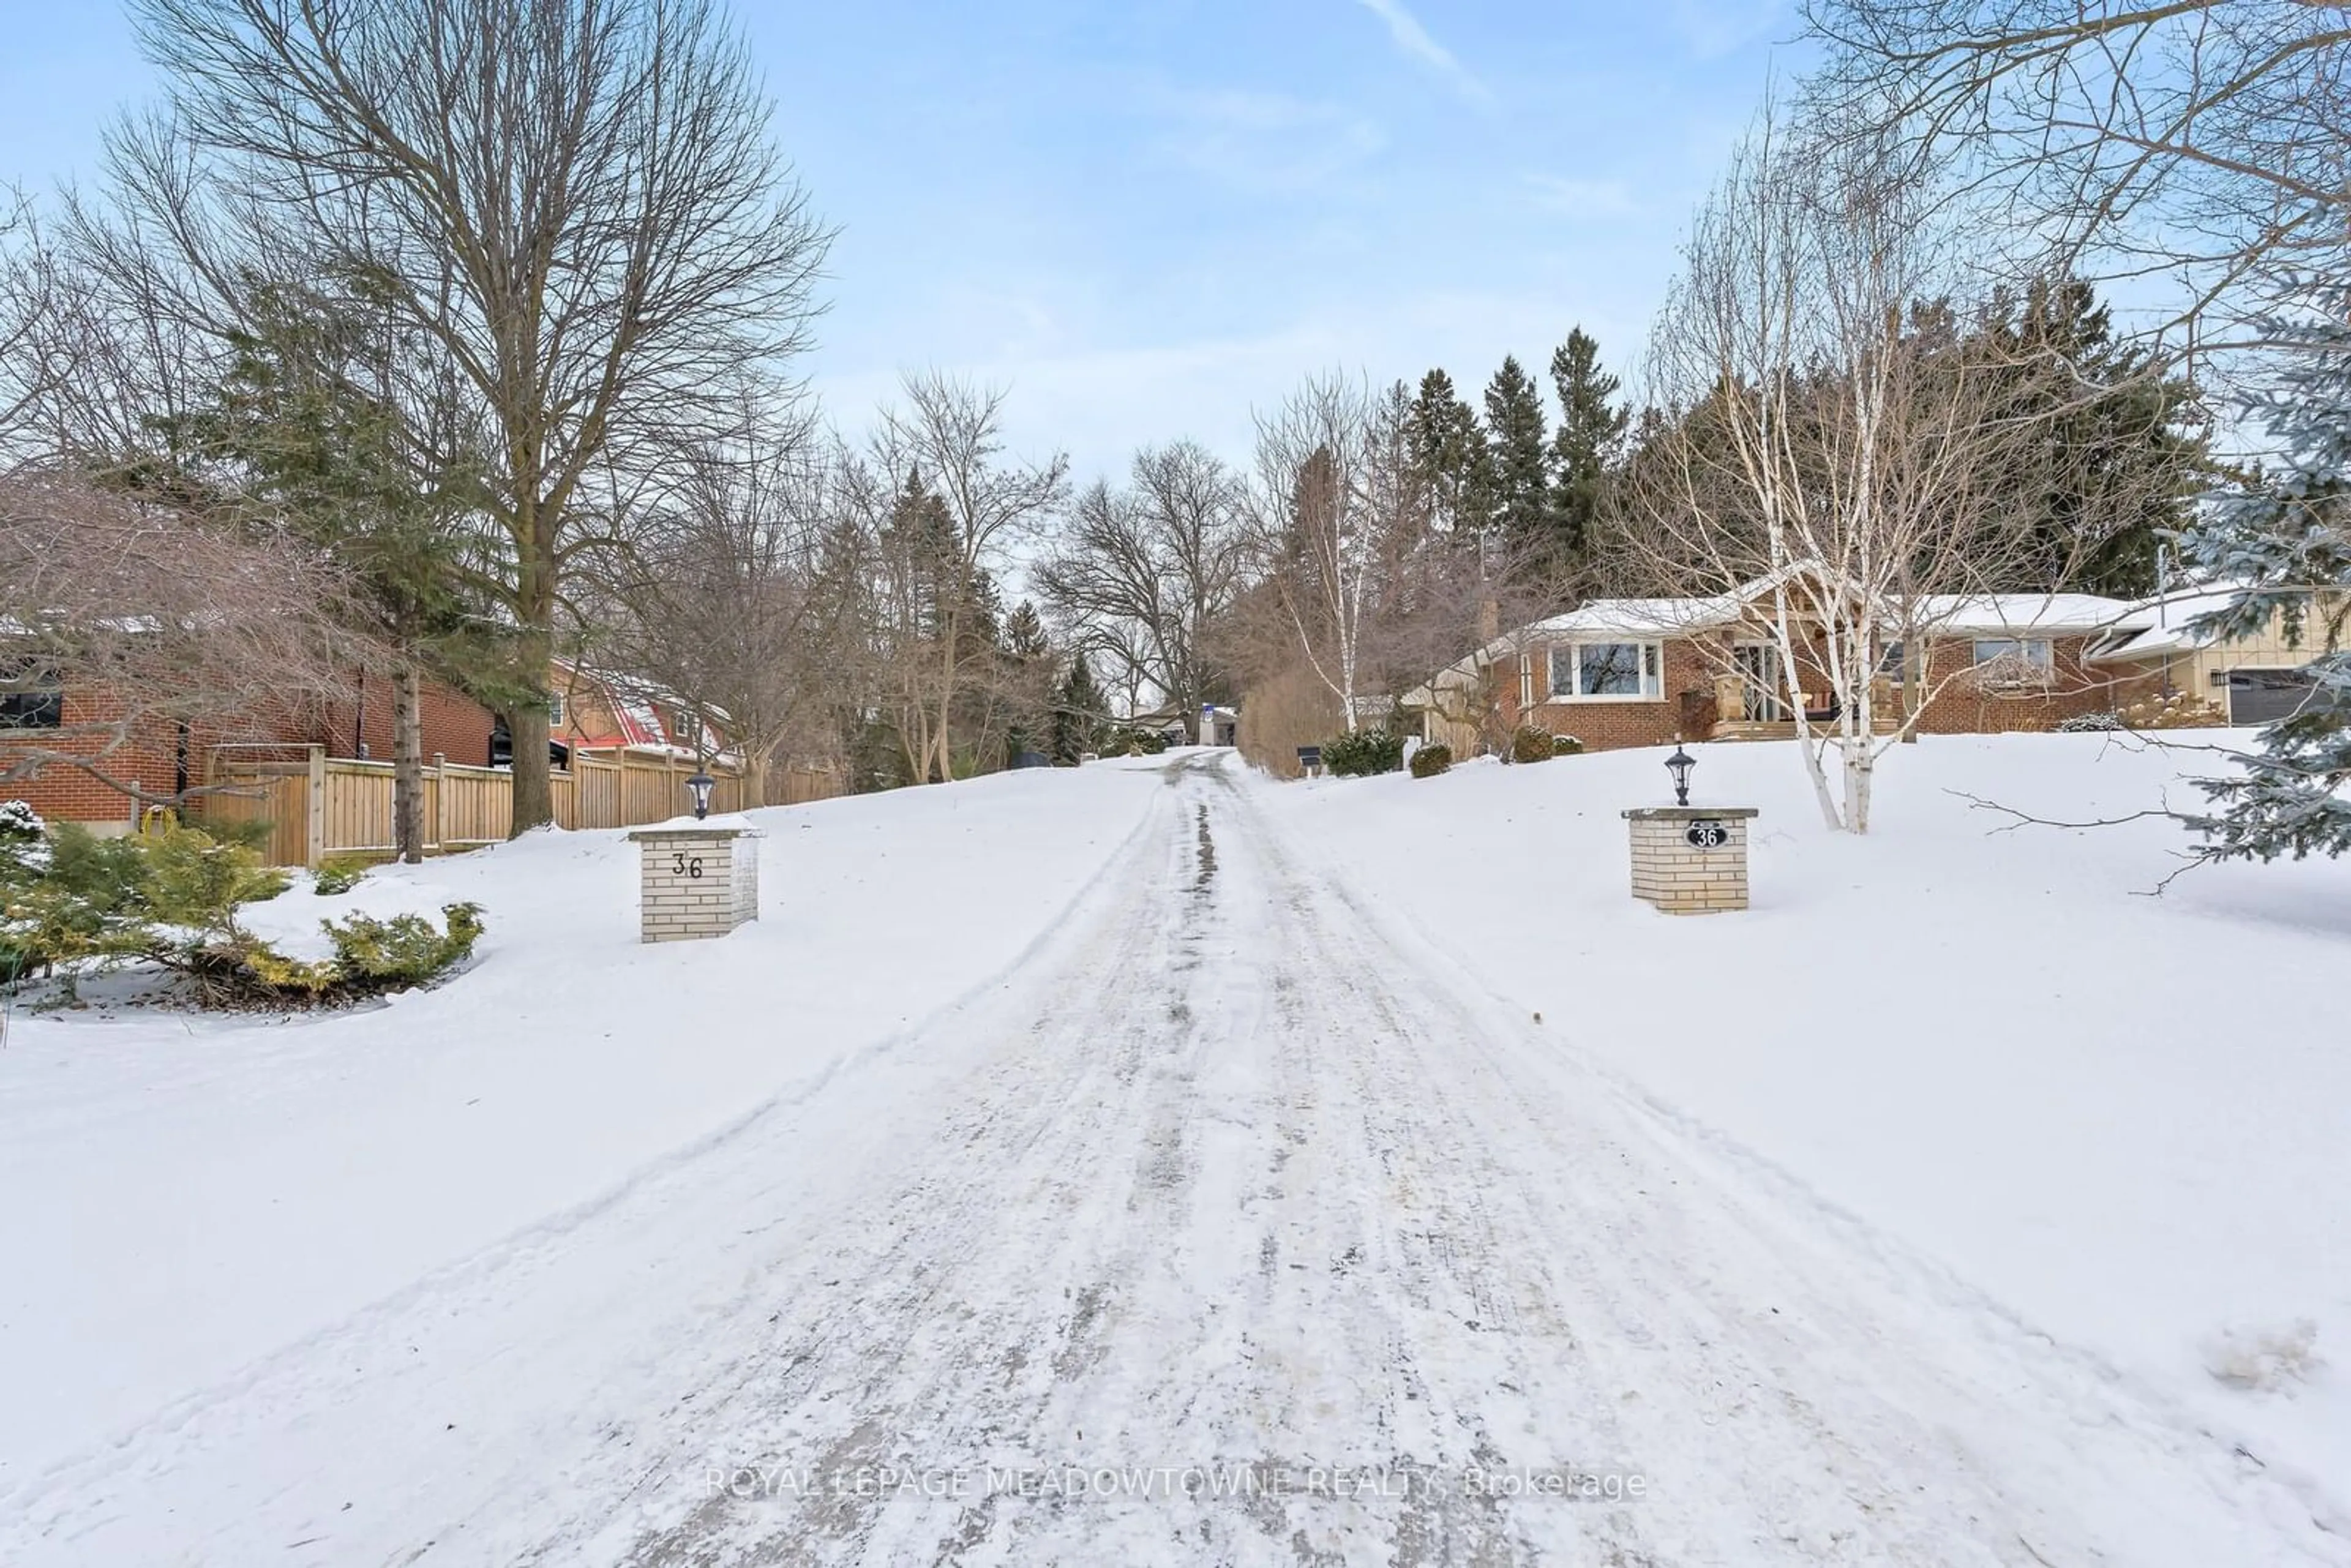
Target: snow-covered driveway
(1235, 1228)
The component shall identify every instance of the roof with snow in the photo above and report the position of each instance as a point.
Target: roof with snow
(2039, 615)
(2166, 625)
(2001, 615)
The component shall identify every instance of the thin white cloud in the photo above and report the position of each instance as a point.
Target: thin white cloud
(1257, 141)
(1414, 39)
(1713, 28)
(1576, 198)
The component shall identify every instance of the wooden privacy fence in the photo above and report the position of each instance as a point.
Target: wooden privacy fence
(318, 806)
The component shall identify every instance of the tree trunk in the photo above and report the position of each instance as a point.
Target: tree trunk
(408, 764)
(1860, 769)
(940, 736)
(534, 788)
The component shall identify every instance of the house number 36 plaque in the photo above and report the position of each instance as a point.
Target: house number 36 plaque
(1707, 833)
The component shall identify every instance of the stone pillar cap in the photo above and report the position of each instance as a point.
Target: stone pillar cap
(1685, 813)
(694, 831)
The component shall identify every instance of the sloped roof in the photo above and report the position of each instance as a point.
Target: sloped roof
(2164, 624)
(2007, 614)
(2038, 614)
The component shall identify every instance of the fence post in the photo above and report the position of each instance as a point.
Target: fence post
(314, 847)
(440, 824)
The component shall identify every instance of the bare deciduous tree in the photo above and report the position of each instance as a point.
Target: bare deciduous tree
(125, 625)
(576, 203)
(1361, 582)
(1143, 574)
(940, 504)
(2194, 139)
(26, 289)
(1834, 481)
(1321, 547)
(723, 601)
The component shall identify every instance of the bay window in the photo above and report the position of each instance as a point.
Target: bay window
(1630, 672)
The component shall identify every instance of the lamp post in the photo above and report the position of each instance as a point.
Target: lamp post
(1679, 765)
(700, 785)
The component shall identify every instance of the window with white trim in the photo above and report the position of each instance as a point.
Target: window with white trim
(1590, 671)
(2014, 651)
(2013, 663)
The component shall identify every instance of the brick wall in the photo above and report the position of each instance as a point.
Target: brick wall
(1606, 724)
(456, 727)
(1957, 707)
(151, 758)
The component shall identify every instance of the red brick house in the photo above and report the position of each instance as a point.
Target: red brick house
(162, 759)
(589, 712)
(1648, 672)
(598, 711)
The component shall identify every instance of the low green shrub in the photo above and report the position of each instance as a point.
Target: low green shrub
(1135, 742)
(170, 897)
(1566, 745)
(1431, 760)
(1364, 752)
(1531, 743)
(338, 874)
(406, 949)
(2092, 724)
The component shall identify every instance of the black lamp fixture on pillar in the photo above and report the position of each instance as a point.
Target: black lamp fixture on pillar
(1679, 765)
(701, 784)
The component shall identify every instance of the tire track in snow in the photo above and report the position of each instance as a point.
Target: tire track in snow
(1304, 1204)
(1231, 1177)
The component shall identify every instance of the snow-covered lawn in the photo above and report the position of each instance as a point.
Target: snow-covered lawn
(2124, 1119)
(181, 1195)
(1934, 1210)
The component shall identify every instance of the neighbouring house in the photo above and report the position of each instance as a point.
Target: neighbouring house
(597, 711)
(1648, 672)
(2251, 680)
(75, 746)
(591, 714)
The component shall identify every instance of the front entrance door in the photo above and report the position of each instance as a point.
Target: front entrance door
(1757, 664)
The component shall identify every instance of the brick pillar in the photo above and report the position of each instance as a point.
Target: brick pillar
(1690, 860)
(696, 882)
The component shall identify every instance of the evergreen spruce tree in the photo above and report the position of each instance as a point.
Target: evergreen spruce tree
(1522, 463)
(2288, 539)
(2122, 461)
(1591, 433)
(1078, 709)
(306, 428)
(1449, 451)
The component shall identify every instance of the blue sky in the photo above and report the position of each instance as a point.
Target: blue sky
(1148, 218)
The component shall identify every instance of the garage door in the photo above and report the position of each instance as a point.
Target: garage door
(2265, 696)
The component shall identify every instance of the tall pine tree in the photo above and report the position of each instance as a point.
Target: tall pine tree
(307, 427)
(2122, 459)
(2288, 541)
(1591, 433)
(1515, 438)
(1448, 449)
(1080, 713)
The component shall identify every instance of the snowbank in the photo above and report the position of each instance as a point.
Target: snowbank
(2121, 1117)
(180, 1195)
